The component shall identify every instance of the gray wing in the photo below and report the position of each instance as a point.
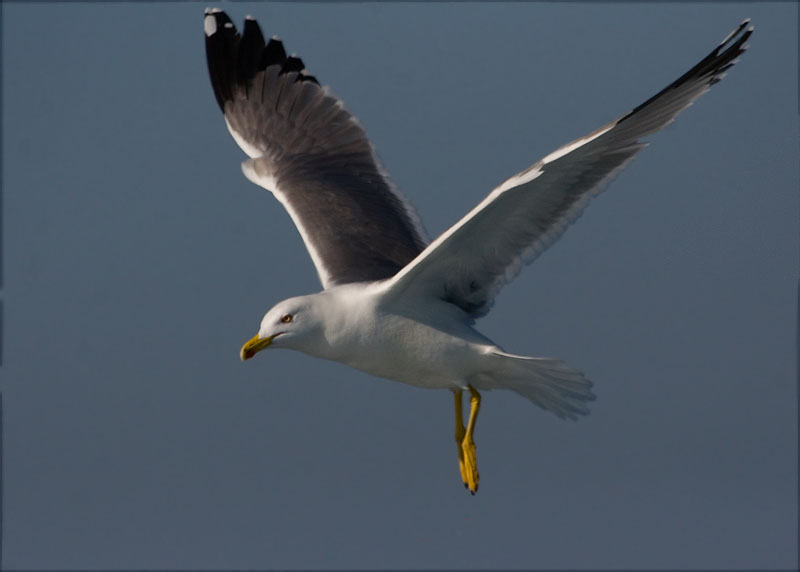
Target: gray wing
(472, 260)
(312, 155)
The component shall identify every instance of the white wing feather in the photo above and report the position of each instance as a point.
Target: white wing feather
(470, 262)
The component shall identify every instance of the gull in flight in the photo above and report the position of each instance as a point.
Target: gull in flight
(394, 304)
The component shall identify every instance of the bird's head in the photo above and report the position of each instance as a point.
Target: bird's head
(292, 324)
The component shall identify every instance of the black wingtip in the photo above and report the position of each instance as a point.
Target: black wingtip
(217, 21)
(222, 44)
(736, 32)
(710, 69)
(725, 55)
(292, 64)
(273, 54)
(250, 49)
(234, 60)
(733, 45)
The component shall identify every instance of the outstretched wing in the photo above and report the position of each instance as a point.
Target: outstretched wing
(476, 257)
(312, 155)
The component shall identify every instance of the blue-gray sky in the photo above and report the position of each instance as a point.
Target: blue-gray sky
(137, 259)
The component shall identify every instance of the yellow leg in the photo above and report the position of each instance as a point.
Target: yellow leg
(460, 432)
(470, 470)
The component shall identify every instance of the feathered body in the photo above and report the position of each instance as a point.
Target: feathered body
(394, 304)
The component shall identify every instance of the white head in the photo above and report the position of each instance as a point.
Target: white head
(294, 323)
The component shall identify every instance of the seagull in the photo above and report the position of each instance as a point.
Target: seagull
(395, 304)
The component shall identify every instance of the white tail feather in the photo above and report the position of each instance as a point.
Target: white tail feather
(549, 383)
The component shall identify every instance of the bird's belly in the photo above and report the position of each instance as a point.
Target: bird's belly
(416, 354)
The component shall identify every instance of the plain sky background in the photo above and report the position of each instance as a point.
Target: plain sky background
(138, 259)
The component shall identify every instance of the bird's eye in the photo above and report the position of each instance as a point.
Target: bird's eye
(286, 319)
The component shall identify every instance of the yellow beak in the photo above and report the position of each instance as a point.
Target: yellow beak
(254, 345)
